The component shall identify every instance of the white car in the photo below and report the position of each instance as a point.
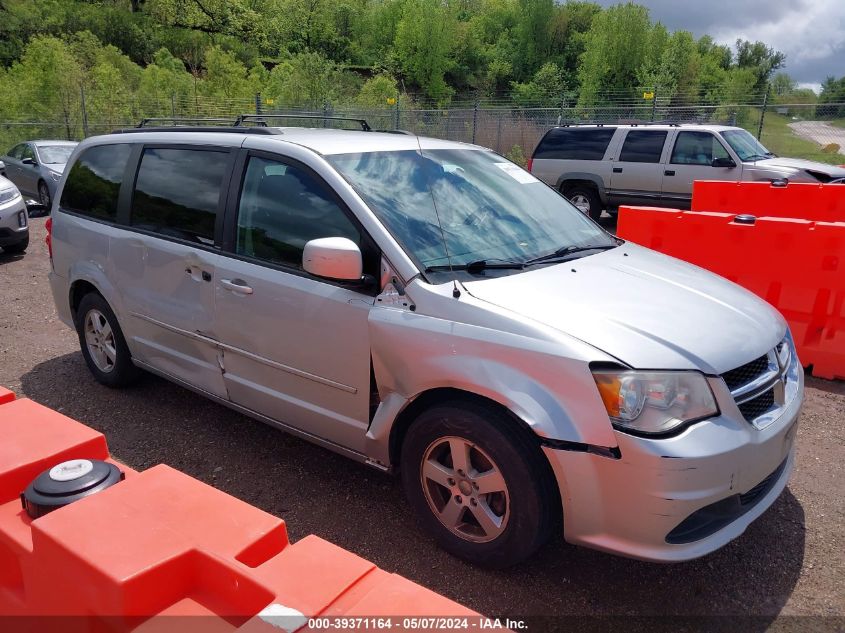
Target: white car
(14, 225)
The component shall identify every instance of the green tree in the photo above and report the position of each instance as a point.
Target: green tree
(423, 45)
(616, 48)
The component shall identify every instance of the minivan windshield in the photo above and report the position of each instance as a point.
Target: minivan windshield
(746, 146)
(491, 211)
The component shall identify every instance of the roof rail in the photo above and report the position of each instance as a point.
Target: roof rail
(637, 124)
(259, 119)
(180, 119)
(195, 128)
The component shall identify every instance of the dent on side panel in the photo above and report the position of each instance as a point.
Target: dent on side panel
(413, 353)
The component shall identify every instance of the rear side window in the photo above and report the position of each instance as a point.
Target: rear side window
(564, 143)
(93, 183)
(643, 146)
(697, 148)
(177, 193)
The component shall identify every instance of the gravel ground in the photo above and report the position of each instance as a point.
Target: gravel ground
(788, 563)
(821, 132)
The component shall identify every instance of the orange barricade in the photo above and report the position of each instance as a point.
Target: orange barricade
(161, 543)
(796, 265)
(808, 201)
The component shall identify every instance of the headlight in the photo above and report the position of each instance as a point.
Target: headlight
(654, 402)
(56, 176)
(9, 194)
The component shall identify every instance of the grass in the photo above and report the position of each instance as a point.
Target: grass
(779, 138)
(838, 122)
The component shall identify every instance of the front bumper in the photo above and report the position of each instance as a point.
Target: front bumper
(675, 499)
(10, 230)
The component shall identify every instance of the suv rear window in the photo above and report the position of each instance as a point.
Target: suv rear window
(643, 146)
(93, 183)
(177, 193)
(573, 143)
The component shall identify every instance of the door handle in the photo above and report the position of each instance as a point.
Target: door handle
(238, 286)
(617, 170)
(669, 172)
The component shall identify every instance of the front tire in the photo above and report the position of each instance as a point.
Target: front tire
(44, 195)
(19, 248)
(102, 343)
(478, 483)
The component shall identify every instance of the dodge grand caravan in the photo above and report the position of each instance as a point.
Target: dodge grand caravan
(427, 307)
(604, 166)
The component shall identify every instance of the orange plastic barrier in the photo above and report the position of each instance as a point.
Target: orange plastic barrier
(807, 201)
(163, 544)
(796, 265)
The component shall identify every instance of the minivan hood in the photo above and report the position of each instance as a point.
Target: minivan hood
(646, 309)
(792, 164)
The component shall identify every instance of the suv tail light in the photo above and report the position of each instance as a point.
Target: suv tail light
(49, 239)
(530, 164)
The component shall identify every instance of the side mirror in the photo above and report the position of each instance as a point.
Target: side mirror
(723, 162)
(29, 161)
(337, 258)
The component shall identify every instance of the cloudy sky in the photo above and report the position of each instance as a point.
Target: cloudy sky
(810, 32)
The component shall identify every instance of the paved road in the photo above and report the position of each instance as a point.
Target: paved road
(821, 132)
(789, 562)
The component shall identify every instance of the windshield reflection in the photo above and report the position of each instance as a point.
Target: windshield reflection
(489, 208)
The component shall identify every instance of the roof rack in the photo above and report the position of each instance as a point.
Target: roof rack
(259, 119)
(174, 120)
(643, 123)
(196, 128)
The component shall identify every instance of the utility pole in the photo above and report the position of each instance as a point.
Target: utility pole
(763, 111)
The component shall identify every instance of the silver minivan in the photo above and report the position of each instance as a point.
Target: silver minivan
(428, 307)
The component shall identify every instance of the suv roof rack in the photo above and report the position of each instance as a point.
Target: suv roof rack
(669, 123)
(259, 119)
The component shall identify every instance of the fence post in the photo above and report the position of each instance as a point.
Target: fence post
(396, 114)
(499, 135)
(763, 112)
(257, 103)
(474, 120)
(84, 111)
(173, 106)
(654, 106)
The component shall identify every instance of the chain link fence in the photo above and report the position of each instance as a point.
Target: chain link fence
(812, 131)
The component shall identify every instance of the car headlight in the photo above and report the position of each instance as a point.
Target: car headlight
(9, 194)
(654, 402)
(56, 176)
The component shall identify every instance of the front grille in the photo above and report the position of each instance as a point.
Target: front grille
(756, 407)
(746, 373)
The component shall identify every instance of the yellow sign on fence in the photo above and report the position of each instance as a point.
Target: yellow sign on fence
(648, 95)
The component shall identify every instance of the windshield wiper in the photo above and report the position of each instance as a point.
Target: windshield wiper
(479, 265)
(564, 253)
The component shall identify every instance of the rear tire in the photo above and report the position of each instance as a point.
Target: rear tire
(495, 503)
(102, 343)
(19, 248)
(584, 198)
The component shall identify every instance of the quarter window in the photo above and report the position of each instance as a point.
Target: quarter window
(565, 143)
(281, 208)
(93, 184)
(643, 146)
(697, 148)
(177, 193)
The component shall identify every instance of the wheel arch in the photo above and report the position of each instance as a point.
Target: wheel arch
(437, 395)
(571, 179)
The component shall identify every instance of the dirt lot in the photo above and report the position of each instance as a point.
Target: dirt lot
(789, 563)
